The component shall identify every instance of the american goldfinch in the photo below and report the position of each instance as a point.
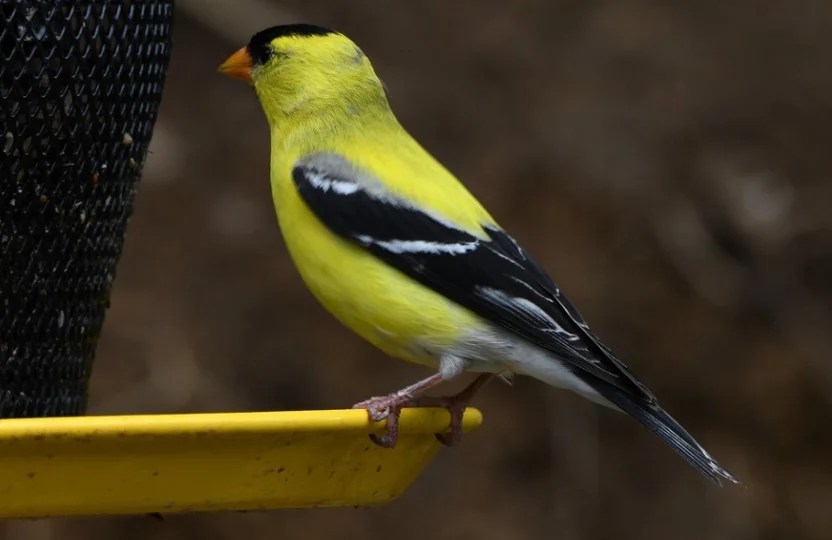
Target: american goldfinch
(398, 250)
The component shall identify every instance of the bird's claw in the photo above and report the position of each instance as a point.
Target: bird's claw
(385, 441)
(380, 407)
(390, 408)
(455, 405)
(385, 407)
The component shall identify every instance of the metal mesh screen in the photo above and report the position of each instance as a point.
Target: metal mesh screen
(80, 85)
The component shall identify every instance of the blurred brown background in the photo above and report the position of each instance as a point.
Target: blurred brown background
(668, 162)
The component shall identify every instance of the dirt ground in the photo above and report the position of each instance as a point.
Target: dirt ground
(667, 162)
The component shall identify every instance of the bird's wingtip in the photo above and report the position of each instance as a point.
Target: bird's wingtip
(725, 475)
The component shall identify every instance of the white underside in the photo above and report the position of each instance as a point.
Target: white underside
(499, 351)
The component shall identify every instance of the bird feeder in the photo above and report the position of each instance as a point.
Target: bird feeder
(80, 87)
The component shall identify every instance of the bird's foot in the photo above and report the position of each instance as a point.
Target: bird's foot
(389, 407)
(456, 406)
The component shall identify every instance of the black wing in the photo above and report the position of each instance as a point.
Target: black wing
(492, 276)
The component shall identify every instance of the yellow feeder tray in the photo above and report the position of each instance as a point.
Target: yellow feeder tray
(99, 465)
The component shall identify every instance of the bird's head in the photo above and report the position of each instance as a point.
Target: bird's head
(302, 69)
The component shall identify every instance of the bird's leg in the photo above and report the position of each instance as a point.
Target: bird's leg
(456, 405)
(390, 407)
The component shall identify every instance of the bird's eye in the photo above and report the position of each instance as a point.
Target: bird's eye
(260, 54)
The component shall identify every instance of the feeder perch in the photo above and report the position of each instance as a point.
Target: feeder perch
(106, 465)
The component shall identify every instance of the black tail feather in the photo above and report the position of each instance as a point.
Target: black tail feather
(670, 431)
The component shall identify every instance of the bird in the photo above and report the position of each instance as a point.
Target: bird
(397, 249)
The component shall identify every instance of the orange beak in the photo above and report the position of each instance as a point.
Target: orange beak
(238, 66)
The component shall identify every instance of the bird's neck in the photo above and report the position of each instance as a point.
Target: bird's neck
(317, 119)
(316, 106)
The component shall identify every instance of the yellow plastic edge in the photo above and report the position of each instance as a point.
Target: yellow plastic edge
(138, 464)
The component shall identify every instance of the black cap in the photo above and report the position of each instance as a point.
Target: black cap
(259, 49)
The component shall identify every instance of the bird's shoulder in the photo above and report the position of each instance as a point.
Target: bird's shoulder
(403, 169)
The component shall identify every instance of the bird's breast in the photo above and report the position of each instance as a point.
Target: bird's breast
(395, 313)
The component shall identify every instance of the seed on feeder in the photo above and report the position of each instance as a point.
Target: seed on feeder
(127, 140)
(95, 179)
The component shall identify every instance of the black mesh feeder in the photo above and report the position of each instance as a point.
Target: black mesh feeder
(80, 86)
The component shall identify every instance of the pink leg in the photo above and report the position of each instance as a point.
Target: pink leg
(456, 405)
(390, 407)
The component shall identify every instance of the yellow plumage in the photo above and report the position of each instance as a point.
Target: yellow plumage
(397, 248)
(307, 113)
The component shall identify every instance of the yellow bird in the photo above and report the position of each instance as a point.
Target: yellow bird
(398, 250)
